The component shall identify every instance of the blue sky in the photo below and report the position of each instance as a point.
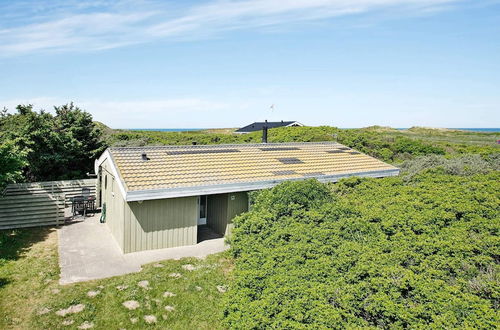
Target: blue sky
(160, 64)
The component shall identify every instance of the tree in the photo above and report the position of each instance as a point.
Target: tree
(79, 139)
(12, 162)
(55, 147)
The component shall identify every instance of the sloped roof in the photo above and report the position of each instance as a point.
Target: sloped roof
(175, 171)
(257, 126)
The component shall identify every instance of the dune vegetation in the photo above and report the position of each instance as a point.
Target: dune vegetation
(416, 251)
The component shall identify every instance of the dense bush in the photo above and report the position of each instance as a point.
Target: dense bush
(12, 162)
(380, 144)
(468, 164)
(124, 138)
(60, 146)
(370, 253)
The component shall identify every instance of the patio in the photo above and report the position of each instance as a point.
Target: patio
(88, 251)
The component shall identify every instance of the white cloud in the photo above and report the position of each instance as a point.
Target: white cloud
(157, 113)
(96, 25)
(152, 113)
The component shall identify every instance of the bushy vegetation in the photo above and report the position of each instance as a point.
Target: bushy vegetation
(384, 143)
(12, 161)
(387, 253)
(387, 145)
(39, 146)
(126, 138)
(417, 251)
(468, 164)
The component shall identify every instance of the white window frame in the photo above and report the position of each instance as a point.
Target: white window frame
(202, 221)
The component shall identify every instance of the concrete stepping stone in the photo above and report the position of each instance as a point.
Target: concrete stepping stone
(150, 319)
(67, 322)
(168, 294)
(71, 310)
(188, 267)
(92, 294)
(131, 304)
(43, 311)
(86, 325)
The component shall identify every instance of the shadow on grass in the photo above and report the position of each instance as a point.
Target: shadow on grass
(15, 242)
(3, 282)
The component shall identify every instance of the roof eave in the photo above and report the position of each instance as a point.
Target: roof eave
(150, 194)
(116, 173)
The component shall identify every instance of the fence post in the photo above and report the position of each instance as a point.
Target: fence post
(57, 209)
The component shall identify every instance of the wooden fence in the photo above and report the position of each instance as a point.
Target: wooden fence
(39, 203)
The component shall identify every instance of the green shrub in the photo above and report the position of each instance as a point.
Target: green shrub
(372, 253)
(12, 161)
(386, 144)
(468, 164)
(415, 147)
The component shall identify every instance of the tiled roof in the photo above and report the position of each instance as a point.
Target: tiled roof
(189, 167)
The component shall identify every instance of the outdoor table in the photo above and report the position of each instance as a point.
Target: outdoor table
(82, 204)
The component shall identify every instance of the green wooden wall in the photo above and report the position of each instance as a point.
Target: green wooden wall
(237, 204)
(115, 204)
(222, 208)
(217, 213)
(162, 223)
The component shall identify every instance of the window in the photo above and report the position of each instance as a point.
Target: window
(106, 181)
(203, 207)
(202, 210)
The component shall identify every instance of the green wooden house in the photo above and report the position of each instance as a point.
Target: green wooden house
(161, 197)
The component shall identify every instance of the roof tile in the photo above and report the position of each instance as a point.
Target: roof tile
(192, 166)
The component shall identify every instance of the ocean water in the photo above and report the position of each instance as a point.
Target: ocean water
(484, 130)
(471, 129)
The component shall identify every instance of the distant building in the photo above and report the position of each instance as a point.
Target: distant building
(257, 126)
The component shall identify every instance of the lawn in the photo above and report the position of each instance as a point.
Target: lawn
(175, 294)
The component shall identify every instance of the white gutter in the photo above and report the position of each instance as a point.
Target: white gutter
(139, 195)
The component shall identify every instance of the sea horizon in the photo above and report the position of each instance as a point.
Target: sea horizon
(471, 129)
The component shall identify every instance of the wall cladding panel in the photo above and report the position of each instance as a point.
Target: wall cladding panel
(217, 213)
(158, 224)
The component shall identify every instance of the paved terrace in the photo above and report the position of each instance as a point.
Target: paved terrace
(87, 251)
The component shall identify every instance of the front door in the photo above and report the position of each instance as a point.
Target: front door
(202, 210)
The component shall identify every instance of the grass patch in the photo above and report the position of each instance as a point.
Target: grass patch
(28, 270)
(31, 298)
